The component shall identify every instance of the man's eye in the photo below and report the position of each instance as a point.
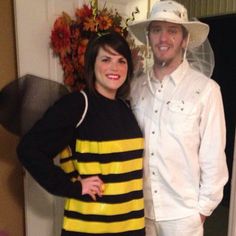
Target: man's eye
(172, 31)
(154, 30)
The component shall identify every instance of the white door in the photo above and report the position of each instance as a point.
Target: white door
(34, 20)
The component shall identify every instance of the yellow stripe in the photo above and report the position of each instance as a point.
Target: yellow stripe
(96, 208)
(68, 167)
(66, 152)
(93, 168)
(124, 187)
(105, 147)
(99, 228)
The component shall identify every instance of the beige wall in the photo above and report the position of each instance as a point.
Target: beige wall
(11, 183)
(205, 8)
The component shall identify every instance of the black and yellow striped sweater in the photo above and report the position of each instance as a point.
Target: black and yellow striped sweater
(108, 143)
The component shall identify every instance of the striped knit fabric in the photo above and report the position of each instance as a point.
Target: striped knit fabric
(120, 209)
(119, 163)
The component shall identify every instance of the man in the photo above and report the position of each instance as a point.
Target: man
(181, 113)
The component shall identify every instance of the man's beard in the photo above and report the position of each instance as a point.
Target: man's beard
(164, 62)
(161, 63)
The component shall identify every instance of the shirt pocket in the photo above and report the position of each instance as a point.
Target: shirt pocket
(182, 117)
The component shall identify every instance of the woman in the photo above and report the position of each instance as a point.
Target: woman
(102, 179)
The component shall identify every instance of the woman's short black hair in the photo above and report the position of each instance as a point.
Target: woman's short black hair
(117, 43)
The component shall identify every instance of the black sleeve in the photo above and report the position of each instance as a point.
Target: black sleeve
(53, 132)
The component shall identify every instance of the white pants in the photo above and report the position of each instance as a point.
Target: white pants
(188, 226)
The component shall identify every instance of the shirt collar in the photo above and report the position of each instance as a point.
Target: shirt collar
(176, 76)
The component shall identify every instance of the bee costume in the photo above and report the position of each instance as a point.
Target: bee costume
(108, 143)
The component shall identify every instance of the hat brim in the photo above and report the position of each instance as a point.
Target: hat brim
(198, 31)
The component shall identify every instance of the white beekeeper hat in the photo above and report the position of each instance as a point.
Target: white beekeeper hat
(173, 12)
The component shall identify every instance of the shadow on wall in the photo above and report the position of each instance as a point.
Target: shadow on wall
(10, 174)
(3, 233)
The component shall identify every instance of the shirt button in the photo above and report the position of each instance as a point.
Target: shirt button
(155, 191)
(153, 132)
(153, 173)
(156, 111)
(152, 154)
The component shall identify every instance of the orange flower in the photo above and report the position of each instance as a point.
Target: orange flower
(60, 37)
(82, 13)
(81, 51)
(104, 22)
(69, 38)
(66, 64)
(75, 31)
(90, 25)
(69, 79)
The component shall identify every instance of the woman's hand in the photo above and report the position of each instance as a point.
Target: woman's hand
(92, 186)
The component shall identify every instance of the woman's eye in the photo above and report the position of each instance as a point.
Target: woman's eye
(105, 60)
(122, 61)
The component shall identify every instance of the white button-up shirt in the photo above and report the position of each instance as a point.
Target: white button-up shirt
(183, 122)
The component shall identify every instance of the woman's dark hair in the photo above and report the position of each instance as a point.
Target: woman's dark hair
(117, 43)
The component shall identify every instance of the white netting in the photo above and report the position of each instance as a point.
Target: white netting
(202, 58)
